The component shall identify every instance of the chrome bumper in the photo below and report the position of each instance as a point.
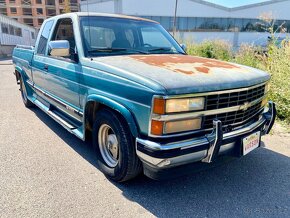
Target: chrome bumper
(205, 149)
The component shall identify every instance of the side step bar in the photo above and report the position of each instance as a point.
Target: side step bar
(69, 126)
(60, 120)
(54, 115)
(64, 122)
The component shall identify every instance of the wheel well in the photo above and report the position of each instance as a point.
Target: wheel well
(18, 76)
(91, 110)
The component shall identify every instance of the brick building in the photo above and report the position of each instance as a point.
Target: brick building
(34, 12)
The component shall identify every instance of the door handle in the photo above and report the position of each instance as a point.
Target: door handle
(45, 67)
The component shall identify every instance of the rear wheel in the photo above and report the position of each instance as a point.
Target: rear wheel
(23, 91)
(114, 146)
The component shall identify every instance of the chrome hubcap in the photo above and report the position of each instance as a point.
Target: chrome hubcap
(108, 145)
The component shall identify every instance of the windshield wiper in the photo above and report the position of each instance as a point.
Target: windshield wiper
(165, 49)
(160, 49)
(116, 50)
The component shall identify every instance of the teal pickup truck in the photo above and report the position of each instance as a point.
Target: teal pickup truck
(147, 105)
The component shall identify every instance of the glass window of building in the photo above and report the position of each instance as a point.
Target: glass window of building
(40, 21)
(39, 11)
(13, 10)
(182, 24)
(191, 24)
(199, 23)
(3, 11)
(165, 22)
(11, 30)
(4, 28)
(18, 31)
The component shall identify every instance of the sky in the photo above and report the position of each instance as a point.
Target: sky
(235, 3)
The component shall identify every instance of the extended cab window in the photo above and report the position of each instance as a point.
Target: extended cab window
(44, 38)
(64, 31)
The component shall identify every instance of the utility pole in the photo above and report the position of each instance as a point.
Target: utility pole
(174, 22)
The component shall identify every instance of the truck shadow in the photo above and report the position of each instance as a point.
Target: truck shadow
(255, 185)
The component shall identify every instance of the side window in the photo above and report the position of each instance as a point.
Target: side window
(154, 37)
(44, 38)
(64, 31)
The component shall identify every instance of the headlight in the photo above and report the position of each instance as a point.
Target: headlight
(166, 106)
(182, 105)
(160, 127)
(162, 106)
(182, 126)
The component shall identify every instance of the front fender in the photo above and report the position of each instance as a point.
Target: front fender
(117, 107)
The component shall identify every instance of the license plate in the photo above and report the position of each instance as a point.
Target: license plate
(251, 142)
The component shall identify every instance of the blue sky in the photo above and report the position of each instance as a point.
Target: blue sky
(235, 3)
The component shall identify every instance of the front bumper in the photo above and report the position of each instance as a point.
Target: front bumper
(206, 149)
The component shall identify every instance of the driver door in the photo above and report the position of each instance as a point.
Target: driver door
(63, 73)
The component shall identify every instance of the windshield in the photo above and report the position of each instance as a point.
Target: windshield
(117, 36)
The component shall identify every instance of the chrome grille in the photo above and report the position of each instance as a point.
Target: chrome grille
(219, 101)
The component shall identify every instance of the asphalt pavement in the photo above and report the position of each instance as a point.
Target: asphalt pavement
(47, 172)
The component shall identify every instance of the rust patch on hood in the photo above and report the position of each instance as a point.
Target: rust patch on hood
(185, 63)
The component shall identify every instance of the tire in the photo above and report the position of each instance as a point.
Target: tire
(23, 91)
(119, 162)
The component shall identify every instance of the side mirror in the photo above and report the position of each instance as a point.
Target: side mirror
(59, 48)
(183, 46)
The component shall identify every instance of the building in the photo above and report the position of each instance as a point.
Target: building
(198, 20)
(13, 33)
(34, 12)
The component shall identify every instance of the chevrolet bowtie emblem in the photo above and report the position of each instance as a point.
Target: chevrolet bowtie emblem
(245, 106)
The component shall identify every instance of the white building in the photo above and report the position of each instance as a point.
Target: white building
(198, 20)
(13, 33)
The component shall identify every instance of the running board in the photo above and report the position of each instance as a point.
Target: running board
(64, 122)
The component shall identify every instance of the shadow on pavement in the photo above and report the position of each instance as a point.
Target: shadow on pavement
(257, 185)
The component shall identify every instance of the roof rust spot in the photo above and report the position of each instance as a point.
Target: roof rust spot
(185, 63)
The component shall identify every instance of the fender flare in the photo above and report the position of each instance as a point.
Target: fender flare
(121, 109)
(19, 70)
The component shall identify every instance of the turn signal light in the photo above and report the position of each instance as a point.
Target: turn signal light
(159, 106)
(157, 127)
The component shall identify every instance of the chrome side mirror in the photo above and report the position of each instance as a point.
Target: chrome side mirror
(183, 46)
(59, 48)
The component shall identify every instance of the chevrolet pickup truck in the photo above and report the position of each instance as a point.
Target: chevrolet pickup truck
(147, 106)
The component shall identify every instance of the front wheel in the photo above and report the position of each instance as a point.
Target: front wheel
(23, 91)
(114, 146)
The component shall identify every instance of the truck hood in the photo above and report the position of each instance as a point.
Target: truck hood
(182, 74)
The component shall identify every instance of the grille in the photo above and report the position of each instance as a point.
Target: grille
(234, 117)
(233, 99)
